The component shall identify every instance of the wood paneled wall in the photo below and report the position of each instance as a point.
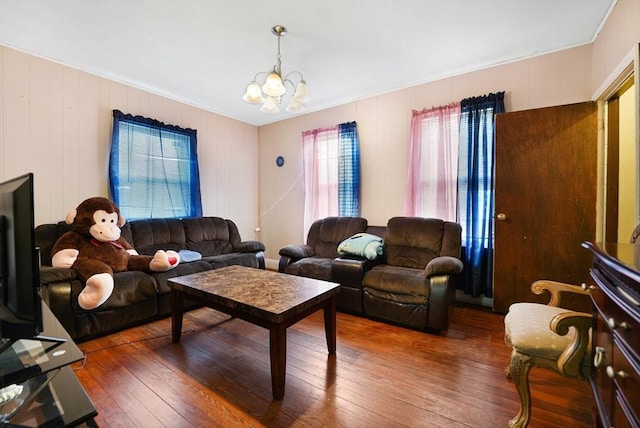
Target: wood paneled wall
(563, 77)
(55, 121)
(383, 125)
(618, 36)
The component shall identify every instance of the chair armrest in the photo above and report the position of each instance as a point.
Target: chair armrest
(49, 274)
(292, 253)
(444, 265)
(570, 362)
(297, 251)
(59, 288)
(249, 247)
(556, 288)
(441, 296)
(349, 270)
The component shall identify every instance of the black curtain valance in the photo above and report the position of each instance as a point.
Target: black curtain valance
(117, 114)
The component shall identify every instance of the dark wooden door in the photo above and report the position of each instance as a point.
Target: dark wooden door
(546, 162)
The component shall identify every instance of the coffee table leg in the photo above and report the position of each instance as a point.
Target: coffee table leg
(176, 315)
(330, 324)
(278, 356)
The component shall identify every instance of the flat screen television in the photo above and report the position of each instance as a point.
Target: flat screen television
(20, 303)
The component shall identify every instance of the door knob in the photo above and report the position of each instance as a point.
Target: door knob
(501, 217)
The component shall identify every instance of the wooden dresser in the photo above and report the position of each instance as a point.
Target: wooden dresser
(615, 292)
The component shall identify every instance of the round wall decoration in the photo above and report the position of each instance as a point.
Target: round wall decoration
(279, 161)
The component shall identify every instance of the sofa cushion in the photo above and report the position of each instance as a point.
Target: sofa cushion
(312, 267)
(230, 259)
(180, 270)
(412, 241)
(326, 234)
(396, 283)
(149, 236)
(125, 232)
(210, 236)
(130, 287)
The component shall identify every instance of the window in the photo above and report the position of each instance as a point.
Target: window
(451, 176)
(433, 163)
(153, 169)
(331, 159)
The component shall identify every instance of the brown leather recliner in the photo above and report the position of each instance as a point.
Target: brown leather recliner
(315, 258)
(413, 286)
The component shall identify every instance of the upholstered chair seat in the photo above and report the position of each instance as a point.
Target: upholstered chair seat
(527, 330)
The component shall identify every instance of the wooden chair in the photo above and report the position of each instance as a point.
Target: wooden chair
(546, 336)
(635, 235)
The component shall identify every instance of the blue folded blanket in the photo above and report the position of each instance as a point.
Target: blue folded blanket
(363, 245)
(189, 256)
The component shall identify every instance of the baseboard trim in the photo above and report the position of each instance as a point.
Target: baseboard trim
(481, 301)
(271, 264)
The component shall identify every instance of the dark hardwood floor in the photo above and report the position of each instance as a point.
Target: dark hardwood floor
(381, 376)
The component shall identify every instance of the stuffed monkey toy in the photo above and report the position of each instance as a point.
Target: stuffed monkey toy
(95, 250)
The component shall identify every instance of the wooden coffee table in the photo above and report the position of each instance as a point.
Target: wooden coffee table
(269, 299)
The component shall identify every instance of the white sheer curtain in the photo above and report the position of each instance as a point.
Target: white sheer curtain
(320, 152)
(433, 163)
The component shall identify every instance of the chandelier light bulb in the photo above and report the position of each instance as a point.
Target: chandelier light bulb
(302, 92)
(273, 86)
(295, 106)
(270, 106)
(253, 93)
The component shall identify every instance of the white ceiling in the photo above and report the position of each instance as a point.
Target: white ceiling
(205, 52)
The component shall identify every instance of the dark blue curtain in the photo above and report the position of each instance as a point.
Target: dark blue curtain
(349, 170)
(153, 168)
(476, 196)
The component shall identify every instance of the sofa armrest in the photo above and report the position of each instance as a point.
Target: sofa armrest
(249, 247)
(52, 274)
(57, 291)
(297, 251)
(349, 270)
(444, 265)
(292, 253)
(441, 296)
(283, 263)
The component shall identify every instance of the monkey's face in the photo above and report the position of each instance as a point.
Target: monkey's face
(105, 227)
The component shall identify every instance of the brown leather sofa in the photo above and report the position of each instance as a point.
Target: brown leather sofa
(411, 284)
(139, 297)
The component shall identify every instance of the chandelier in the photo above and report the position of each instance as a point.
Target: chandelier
(274, 87)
